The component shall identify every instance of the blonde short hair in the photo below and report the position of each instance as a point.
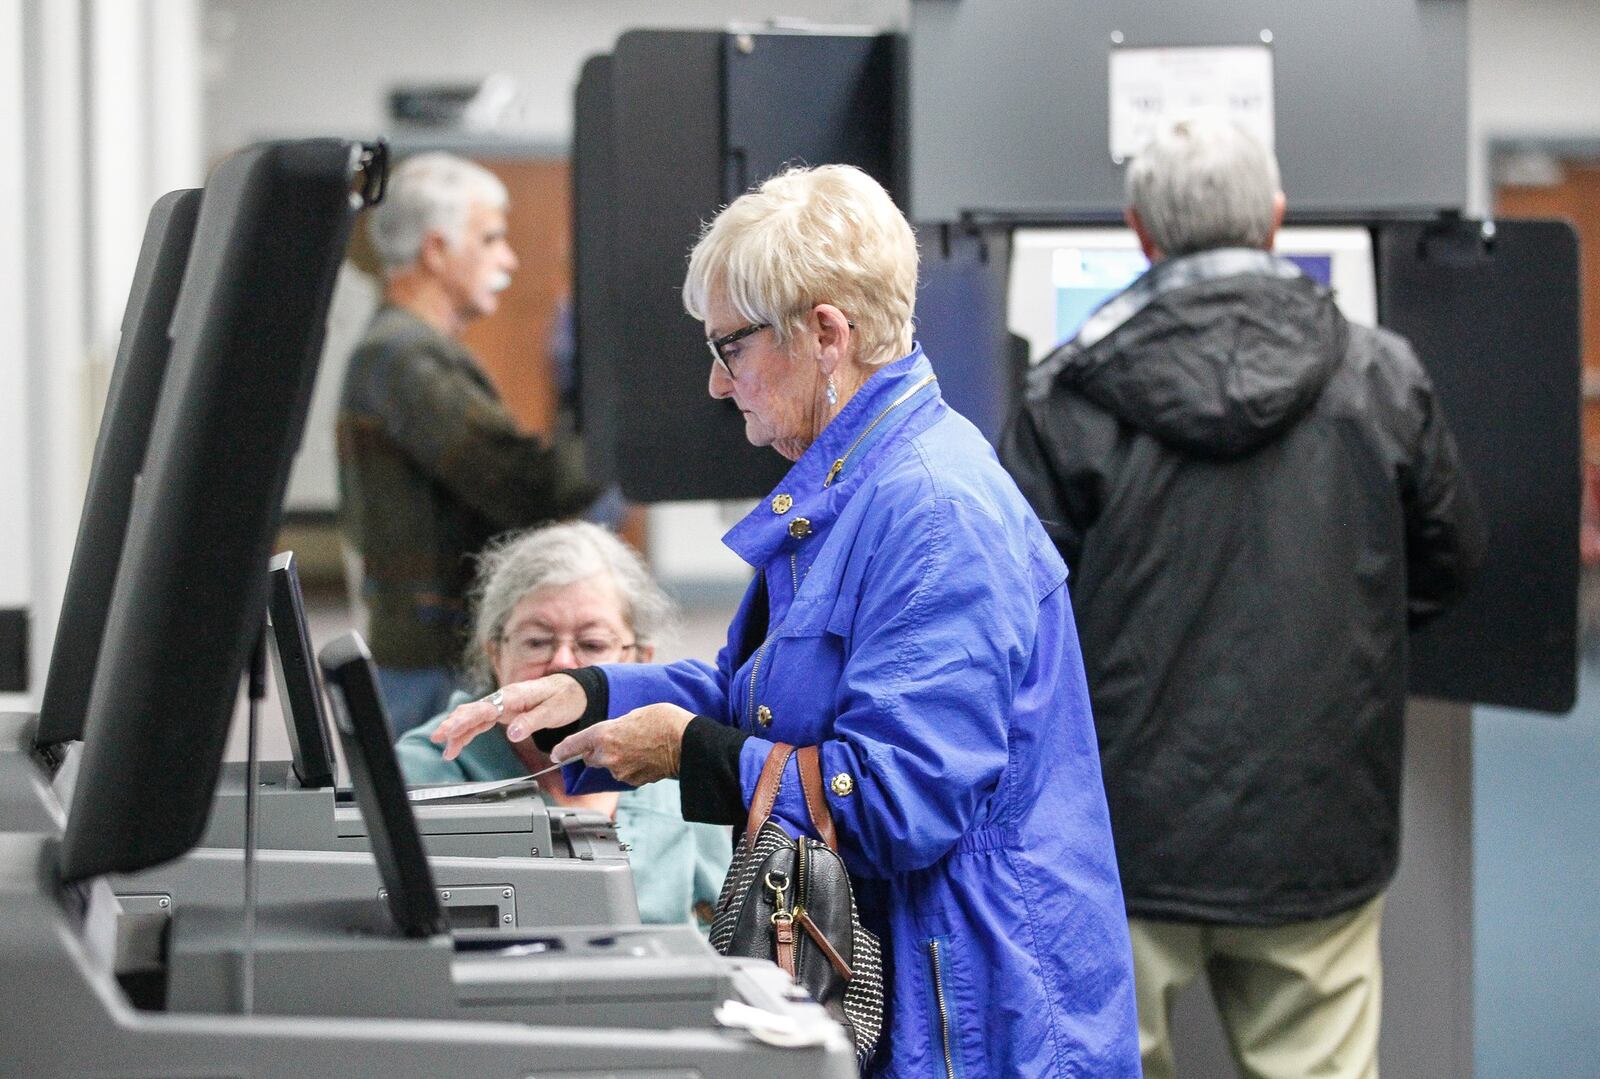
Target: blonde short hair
(829, 234)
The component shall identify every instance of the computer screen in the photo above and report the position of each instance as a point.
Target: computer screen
(1059, 277)
(191, 596)
(299, 688)
(119, 453)
(358, 714)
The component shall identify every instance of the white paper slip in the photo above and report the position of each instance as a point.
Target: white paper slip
(783, 1031)
(470, 790)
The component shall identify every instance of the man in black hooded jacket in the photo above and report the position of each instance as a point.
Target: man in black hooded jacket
(1255, 498)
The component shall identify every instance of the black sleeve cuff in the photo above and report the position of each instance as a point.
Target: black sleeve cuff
(708, 773)
(598, 692)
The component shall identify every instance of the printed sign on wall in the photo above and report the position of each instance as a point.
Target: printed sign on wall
(1150, 87)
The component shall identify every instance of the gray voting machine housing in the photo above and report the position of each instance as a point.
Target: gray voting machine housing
(183, 621)
(34, 748)
(499, 859)
(554, 866)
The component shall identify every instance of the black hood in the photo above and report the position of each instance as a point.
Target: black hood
(1215, 354)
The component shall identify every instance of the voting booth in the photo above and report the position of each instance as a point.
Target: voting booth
(1009, 127)
(1368, 119)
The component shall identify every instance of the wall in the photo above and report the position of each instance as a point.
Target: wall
(1531, 72)
(15, 542)
(347, 54)
(98, 116)
(1536, 778)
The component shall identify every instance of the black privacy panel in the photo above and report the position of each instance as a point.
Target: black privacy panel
(694, 118)
(961, 322)
(1008, 98)
(190, 599)
(14, 650)
(672, 440)
(1495, 321)
(809, 99)
(119, 452)
(597, 320)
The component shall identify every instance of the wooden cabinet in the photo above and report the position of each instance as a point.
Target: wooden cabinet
(517, 345)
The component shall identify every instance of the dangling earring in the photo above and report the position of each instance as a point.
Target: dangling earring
(832, 392)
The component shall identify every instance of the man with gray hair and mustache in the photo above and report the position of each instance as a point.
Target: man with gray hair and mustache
(431, 464)
(1254, 499)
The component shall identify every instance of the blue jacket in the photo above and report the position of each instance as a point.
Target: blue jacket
(677, 866)
(922, 636)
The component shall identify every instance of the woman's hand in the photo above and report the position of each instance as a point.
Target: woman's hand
(552, 701)
(640, 747)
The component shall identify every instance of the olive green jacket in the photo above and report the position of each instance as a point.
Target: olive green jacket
(431, 466)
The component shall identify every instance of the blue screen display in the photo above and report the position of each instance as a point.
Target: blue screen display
(1317, 267)
(1086, 277)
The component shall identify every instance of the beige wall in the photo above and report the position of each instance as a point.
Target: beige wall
(276, 67)
(1531, 70)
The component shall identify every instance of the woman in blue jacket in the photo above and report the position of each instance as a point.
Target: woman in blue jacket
(909, 616)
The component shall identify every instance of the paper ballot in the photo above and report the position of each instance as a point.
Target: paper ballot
(440, 793)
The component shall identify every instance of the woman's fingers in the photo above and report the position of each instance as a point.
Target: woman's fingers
(552, 701)
(578, 745)
(461, 738)
(524, 707)
(474, 716)
(640, 747)
(463, 725)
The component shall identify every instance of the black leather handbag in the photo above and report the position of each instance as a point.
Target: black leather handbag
(789, 901)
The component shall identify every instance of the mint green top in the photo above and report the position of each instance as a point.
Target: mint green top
(676, 865)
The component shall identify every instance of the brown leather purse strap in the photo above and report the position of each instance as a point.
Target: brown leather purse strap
(824, 945)
(766, 795)
(816, 804)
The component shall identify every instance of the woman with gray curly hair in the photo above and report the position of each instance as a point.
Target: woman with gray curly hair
(551, 599)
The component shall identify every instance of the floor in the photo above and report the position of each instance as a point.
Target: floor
(1536, 880)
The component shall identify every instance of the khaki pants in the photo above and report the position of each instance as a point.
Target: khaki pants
(1296, 1000)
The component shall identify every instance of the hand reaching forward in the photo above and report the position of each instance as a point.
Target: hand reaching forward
(639, 747)
(523, 707)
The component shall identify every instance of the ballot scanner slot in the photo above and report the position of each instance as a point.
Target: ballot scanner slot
(662, 977)
(513, 822)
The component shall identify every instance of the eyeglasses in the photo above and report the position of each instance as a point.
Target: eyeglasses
(717, 344)
(587, 648)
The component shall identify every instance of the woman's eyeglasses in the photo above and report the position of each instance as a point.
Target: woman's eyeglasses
(717, 344)
(587, 648)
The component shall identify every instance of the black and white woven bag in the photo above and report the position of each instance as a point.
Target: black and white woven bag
(789, 901)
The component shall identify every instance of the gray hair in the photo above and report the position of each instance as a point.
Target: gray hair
(521, 563)
(429, 193)
(829, 234)
(1204, 182)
